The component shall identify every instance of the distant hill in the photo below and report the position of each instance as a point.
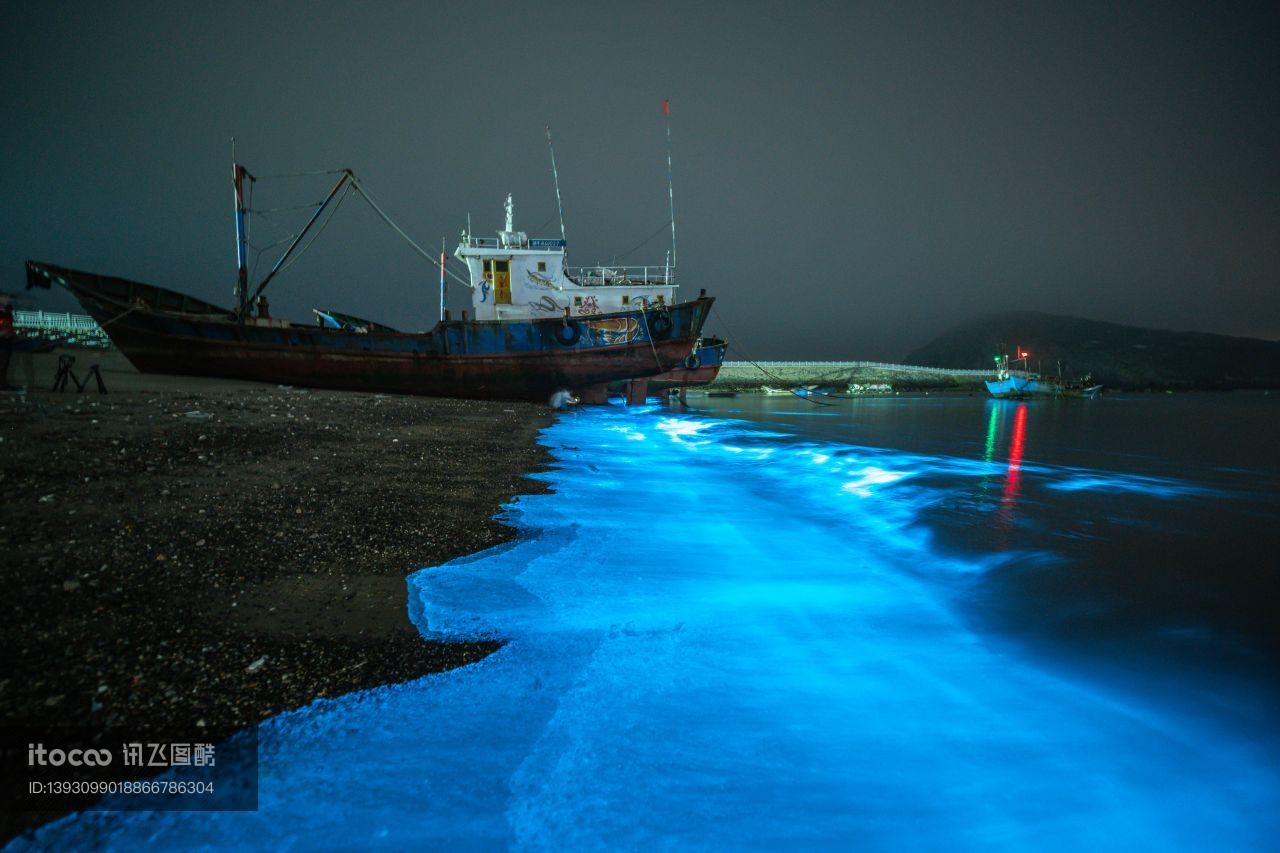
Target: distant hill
(1118, 356)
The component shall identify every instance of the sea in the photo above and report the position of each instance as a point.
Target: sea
(899, 623)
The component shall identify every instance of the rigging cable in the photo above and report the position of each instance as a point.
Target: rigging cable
(661, 228)
(644, 316)
(352, 182)
(332, 213)
(253, 273)
(538, 230)
(302, 174)
(756, 365)
(341, 185)
(267, 210)
(355, 182)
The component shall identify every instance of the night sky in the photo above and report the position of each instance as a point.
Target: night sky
(850, 179)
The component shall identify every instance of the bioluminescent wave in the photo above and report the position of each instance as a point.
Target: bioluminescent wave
(718, 636)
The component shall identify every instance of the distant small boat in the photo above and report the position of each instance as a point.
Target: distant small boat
(1011, 384)
(1082, 389)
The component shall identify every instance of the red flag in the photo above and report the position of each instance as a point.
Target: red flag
(666, 107)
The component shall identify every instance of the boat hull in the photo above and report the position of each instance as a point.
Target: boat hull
(517, 360)
(707, 359)
(1009, 388)
(1021, 388)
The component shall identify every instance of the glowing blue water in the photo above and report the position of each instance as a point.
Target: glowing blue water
(719, 635)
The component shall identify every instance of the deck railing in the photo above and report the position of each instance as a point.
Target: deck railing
(518, 240)
(600, 276)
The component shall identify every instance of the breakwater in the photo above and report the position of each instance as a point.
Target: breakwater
(753, 374)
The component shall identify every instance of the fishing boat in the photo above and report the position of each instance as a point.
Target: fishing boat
(1022, 384)
(536, 325)
(1010, 384)
(700, 367)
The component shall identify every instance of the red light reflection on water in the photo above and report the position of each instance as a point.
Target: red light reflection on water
(1015, 453)
(1009, 501)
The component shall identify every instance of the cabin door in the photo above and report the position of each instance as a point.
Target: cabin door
(502, 282)
(498, 275)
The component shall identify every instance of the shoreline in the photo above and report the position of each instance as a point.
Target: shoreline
(199, 555)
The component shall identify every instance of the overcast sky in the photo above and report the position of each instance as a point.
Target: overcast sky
(850, 178)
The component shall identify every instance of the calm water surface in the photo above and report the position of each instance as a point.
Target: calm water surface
(927, 623)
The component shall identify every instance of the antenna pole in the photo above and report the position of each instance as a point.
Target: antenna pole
(442, 263)
(671, 197)
(555, 176)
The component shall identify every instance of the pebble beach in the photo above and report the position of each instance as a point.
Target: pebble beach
(198, 554)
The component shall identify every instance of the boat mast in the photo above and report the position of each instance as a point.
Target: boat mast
(239, 174)
(671, 197)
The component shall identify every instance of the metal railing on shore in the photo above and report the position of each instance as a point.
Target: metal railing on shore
(744, 374)
(854, 365)
(60, 327)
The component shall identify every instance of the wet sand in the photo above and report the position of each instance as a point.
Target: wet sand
(198, 555)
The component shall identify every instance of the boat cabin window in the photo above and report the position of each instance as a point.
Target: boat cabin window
(542, 266)
(626, 299)
(577, 301)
